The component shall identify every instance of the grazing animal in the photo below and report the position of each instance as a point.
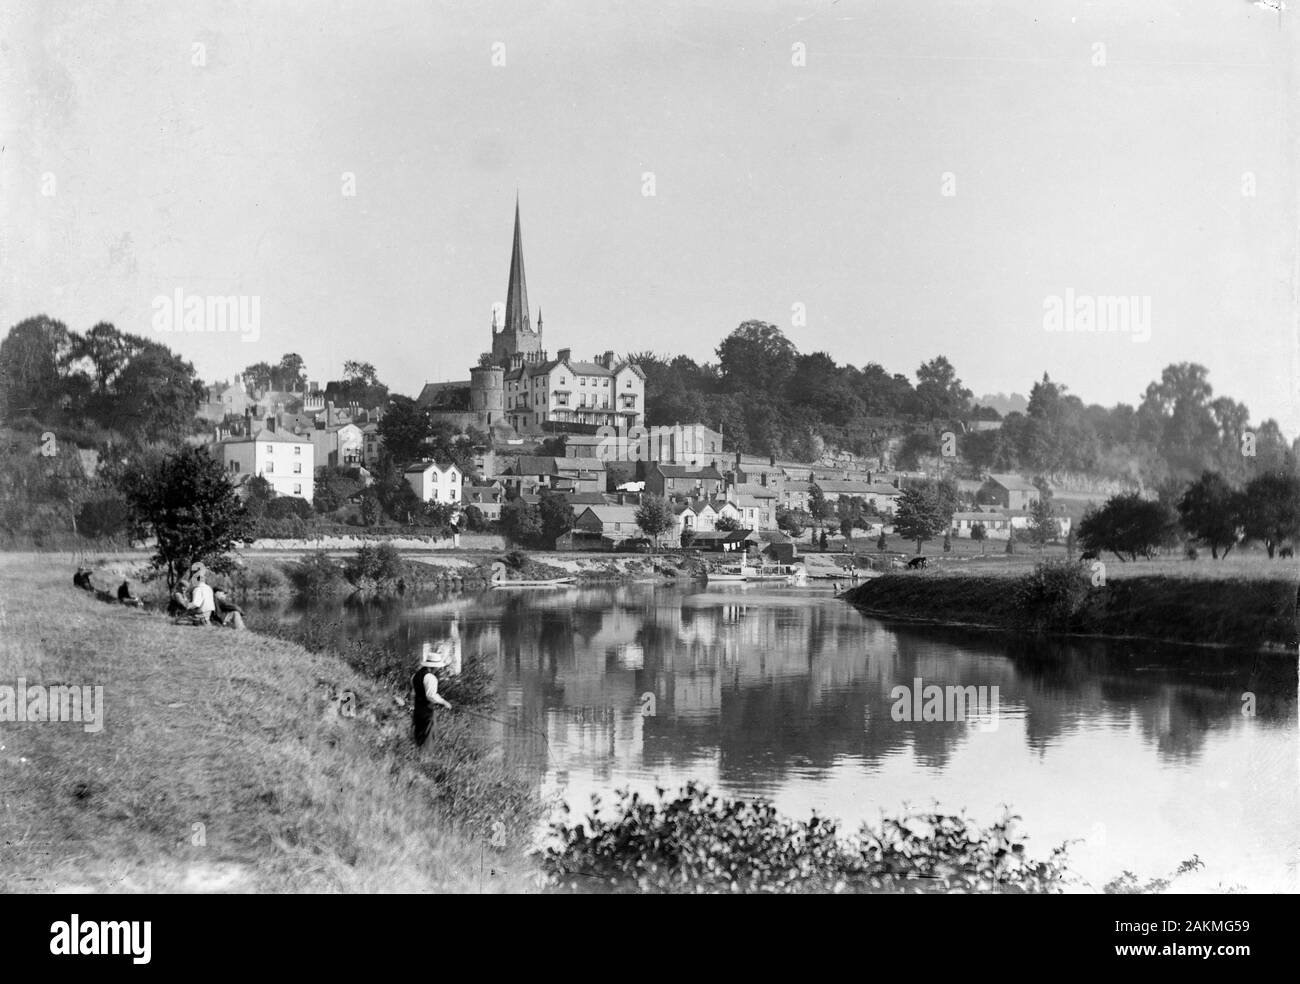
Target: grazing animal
(1287, 552)
(917, 563)
(1088, 555)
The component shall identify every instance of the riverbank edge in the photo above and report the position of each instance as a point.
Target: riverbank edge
(1257, 614)
(227, 761)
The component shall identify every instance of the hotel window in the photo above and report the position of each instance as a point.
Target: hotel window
(297, 489)
(297, 467)
(561, 380)
(234, 467)
(607, 384)
(270, 467)
(297, 449)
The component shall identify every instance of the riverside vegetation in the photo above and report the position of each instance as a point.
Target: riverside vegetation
(1237, 607)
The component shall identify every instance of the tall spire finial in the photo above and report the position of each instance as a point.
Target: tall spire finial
(517, 290)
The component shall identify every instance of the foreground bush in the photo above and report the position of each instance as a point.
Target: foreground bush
(374, 567)
(316, 574)
(698, 842)
(1052, 596)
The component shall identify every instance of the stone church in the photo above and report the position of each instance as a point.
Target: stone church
(517, 389)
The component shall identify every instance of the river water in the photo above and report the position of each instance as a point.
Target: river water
(1141, 752)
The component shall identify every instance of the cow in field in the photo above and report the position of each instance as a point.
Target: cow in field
(1286, 552)
(916, 563)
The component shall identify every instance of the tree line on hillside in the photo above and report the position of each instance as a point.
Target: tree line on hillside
(1209, 512)
(768, 398)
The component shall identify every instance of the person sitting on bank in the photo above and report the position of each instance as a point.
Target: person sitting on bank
(425, 686)
(198, 610)
(227, 612)
(82, 579)
(125, 597)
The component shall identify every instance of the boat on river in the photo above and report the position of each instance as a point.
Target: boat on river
(747, 573)
(553, 582)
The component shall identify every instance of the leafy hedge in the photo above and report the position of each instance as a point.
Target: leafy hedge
(700, 843)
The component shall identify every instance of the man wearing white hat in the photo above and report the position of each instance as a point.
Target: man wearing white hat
(425, 686)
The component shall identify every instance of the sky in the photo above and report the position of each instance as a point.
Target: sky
(886, 181)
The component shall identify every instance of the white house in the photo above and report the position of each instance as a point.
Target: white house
(287, 461)
(433, 482)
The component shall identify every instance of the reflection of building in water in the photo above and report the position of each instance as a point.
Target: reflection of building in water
(744, 687)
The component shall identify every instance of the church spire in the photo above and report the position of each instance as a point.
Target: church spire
(517, 291)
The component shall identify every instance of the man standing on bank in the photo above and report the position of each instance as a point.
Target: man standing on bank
(425, 686)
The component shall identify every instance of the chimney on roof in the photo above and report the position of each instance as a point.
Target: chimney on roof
(270, 422)
(565, 354)
(248, 421)
(608, 360)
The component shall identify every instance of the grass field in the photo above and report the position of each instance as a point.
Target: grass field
(224, 764)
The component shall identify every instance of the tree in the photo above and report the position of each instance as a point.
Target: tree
(259, 376)
(846, 528)
(188, 503)
(289, 374)
(939, 393)
(157, 395)
(520, 522)
(1211, 511)
(654, 516)
(979, 533)
(32, 357)
(1128, 526)
(555, 516)
(475, 521)
(920, 514)
(881, 542)
(726, 524)
(1042, 522)
(818, 507)
(362, 372)
(1272, 509)
(258, 493)
(757, 358)
(792, 522)
(404, 429)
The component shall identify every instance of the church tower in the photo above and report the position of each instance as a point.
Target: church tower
(516, 340)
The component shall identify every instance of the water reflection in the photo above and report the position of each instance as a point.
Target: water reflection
(1142, 749)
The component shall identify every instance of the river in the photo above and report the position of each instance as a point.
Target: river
(1140, 752)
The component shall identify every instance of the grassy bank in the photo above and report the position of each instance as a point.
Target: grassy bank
(1253, 608)
(226, 762)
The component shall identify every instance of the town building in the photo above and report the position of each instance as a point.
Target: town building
(287, 461)
(341, 446)
(1010, 491)
(610, 524)
(433, 482)
(488, 496)
(675, 480)
(530, 474)
(518, 389)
